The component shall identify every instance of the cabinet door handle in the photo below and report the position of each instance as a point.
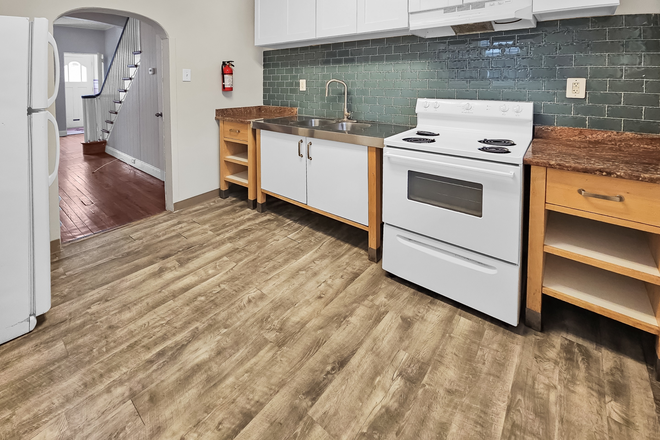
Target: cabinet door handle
(309, 144)
(600, 196)
(300, 142)
(231, 130)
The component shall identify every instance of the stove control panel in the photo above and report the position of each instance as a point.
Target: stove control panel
(452, 108)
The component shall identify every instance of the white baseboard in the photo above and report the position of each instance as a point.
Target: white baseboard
(136, 163)
(63, 133)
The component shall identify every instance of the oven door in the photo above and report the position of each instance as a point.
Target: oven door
(469, 203)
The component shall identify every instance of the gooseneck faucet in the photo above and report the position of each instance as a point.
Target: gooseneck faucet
(347, 115)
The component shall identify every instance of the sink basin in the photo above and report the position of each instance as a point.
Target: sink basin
(347, 125)
(314, 122)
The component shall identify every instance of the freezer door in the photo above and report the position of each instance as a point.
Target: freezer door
(14, 179)
(41, 38)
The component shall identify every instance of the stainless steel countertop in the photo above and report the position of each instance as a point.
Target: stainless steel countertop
(369, 136)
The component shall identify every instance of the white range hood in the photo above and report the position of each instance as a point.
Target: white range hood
(563, 9)
(442, 18)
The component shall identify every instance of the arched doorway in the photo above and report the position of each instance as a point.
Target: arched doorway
(117, 186)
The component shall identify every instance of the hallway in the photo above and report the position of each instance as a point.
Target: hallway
(99, 192)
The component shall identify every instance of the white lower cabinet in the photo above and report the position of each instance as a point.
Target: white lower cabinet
(330, 176)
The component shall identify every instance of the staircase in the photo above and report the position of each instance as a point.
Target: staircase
(101, 110)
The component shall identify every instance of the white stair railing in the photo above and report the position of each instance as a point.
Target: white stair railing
(100, 111)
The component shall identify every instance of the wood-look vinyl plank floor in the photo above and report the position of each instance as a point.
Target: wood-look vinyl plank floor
(98, 192)
(220, 322)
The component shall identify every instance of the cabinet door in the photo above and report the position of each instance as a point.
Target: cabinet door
(281, 21)
(337, 178)
(381, 15)
(335, 18)
(282, 169)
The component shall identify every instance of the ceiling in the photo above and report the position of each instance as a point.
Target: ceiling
(81, 23)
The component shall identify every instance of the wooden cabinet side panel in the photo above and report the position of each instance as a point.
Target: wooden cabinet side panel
(224, 171)
(537, 224)
(375, 202)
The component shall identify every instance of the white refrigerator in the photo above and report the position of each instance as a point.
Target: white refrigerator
(24, 174)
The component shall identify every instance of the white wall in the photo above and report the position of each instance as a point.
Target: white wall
(638, 7)
(201, 33)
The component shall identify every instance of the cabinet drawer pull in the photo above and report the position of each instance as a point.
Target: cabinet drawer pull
(300, 142)
(309, 144)
(600, 196)
(231, 130)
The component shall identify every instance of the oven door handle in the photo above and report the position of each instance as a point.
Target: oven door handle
(509, 174)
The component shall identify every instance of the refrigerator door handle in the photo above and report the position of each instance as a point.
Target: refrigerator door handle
(56, 87)
(53, 176)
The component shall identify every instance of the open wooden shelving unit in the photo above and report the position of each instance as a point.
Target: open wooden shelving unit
(591, 252)
(238, 158)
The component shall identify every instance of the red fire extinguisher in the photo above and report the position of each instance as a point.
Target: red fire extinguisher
(227, 76)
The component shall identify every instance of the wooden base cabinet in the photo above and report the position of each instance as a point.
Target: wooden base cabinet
(238, 163)
(335, 179)
(594, 242)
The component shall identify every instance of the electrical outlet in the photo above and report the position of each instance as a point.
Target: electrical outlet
(576, 87)
(187, 75)
(303, 85)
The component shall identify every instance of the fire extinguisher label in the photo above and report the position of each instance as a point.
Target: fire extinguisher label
(229, 81)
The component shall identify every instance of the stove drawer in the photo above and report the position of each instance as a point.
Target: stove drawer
(480, 282)
(609, 196)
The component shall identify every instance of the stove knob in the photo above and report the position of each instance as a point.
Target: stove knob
(517, 109)
(436, 104)
(504, 108)
(467, 106)
(426, 104)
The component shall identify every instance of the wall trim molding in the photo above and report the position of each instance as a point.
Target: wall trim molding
(202, 198)
(136, 163)
(63, 133)
(55, 245)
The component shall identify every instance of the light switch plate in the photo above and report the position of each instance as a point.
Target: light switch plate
(303, 85)
(576, 87)
(187, 75)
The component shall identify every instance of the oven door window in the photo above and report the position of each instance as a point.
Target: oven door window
(444, 192)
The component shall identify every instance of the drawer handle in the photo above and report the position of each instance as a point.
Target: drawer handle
(231, 130)
(300, 142)
(309, 144)
(600, 196)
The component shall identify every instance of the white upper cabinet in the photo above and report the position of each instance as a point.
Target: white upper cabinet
(381, 15)
(335, 17)
(281, 21)
(290, 23)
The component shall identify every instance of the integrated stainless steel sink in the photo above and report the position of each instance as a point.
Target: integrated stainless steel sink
(314, 122)
(347, 126)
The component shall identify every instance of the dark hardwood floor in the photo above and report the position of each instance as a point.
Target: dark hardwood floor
(99, 192)
(220, 322)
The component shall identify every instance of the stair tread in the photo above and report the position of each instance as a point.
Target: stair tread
(132, 65)
(105, 131)
(127, 79)
(109, 121)
(137, 52)
(122, 90)
(114, 112)
(117, 101)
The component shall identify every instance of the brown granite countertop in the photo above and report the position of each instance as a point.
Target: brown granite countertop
(247, 114)
(624, 155)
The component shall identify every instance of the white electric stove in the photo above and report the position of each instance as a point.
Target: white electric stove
(452, 202)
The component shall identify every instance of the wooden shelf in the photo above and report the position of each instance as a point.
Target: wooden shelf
(607, 246)
(239, 158)
(239, 178)
(609, 294)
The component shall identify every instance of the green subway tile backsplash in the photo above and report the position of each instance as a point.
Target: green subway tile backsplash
(619, 56)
